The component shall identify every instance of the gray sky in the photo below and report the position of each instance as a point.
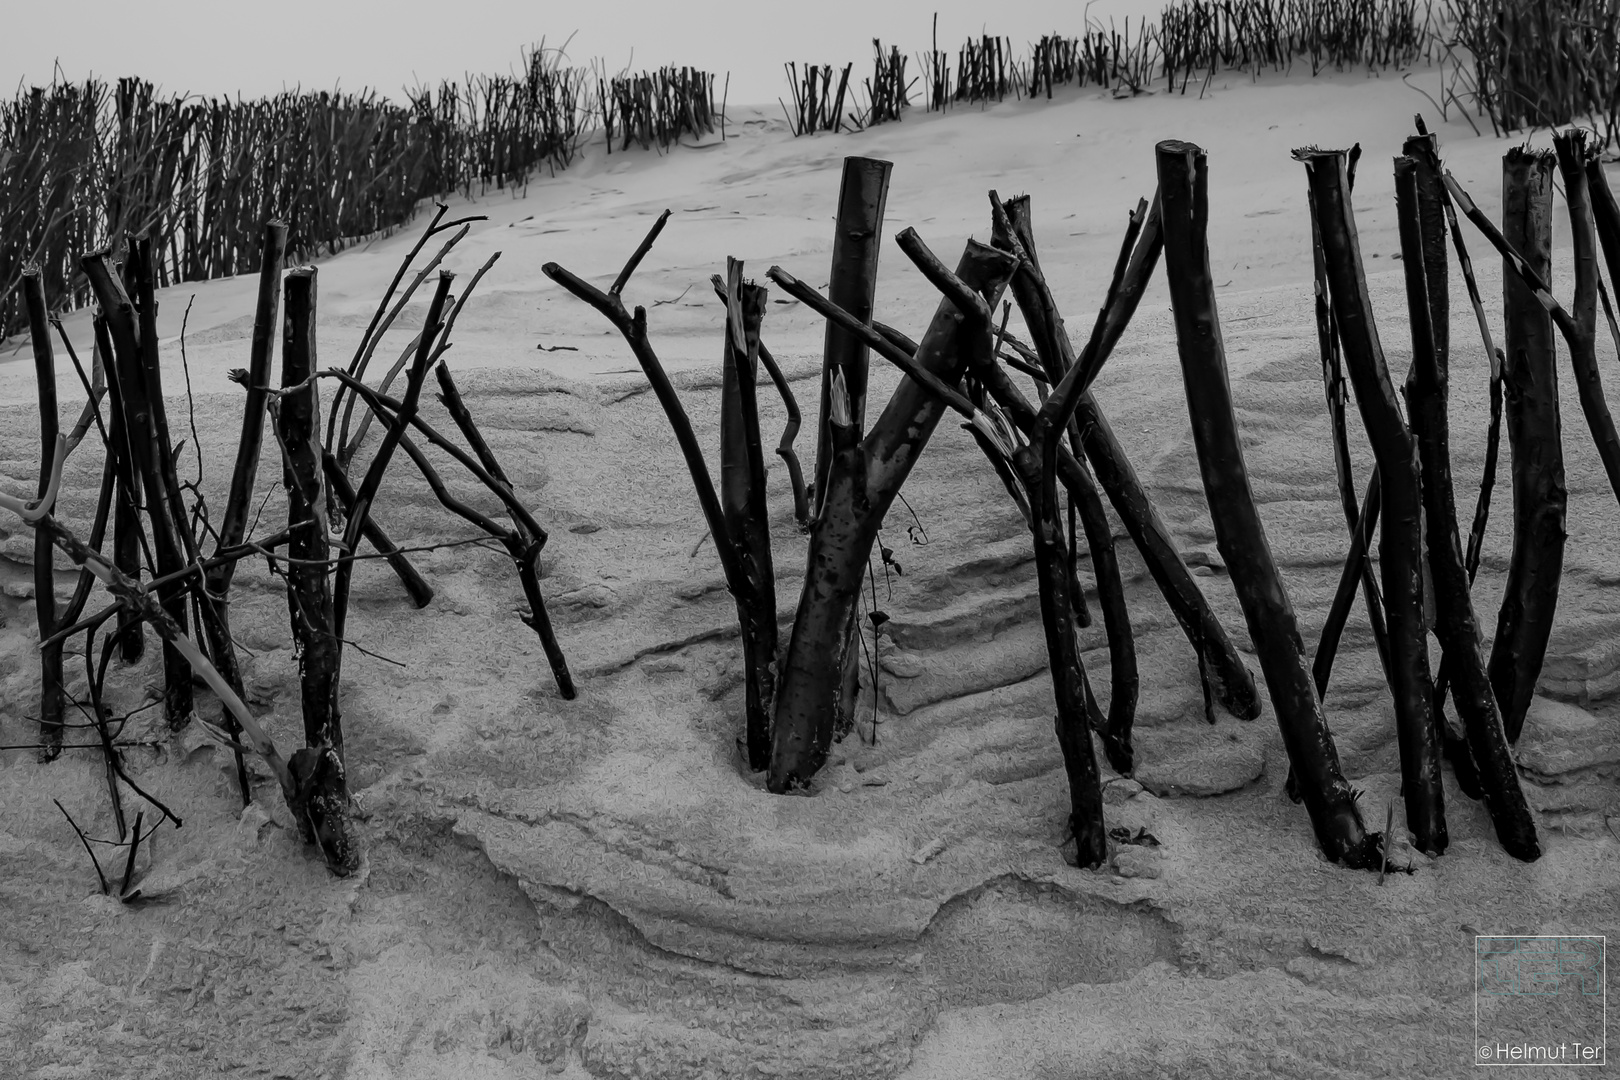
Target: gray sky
(213, 47)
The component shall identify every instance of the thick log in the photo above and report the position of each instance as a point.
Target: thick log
(1455, 624)
(1535, 440)
(1240, 534)
(1401, 534)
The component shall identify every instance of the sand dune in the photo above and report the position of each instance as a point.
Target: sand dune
(599, 888)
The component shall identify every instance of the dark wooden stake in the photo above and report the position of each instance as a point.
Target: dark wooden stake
(239, 503)
(52, 698)
(1401, 534)
(1455, 624)
(1240, 534)
(128, 536)
(852, 285)
(1535, 439)
(742, 502)
(129, 372)
(1231, 682)
(317, 769)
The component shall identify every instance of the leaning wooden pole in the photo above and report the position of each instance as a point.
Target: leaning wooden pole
(128, 535)
(239, 503)
(1535, 440)
(52, 699)
(1240, 534)
(1228, 677)
(1400, 537)
(1455, 624)
(146, 469)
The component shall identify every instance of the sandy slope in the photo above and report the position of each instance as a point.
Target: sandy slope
(597, 888)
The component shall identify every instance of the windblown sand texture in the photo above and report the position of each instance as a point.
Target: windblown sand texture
(597, 888)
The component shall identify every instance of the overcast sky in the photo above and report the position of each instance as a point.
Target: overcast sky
(216, 46)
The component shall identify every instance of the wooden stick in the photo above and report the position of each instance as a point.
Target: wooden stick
(742, 501)
(1219, 663)
(863, 193)
(420, 592)
(864, 482)
(140, 427)
(1333, 383)
(128, 537)
(52, 697)
(1455, 624)
(309, 591)
(1400, 537)
(1540, 498)
(372, 481)
(233, 525)
(1579, 327)
(1240, 534)
(1606, 217)
(790, 430)
(1139, 254)
(634, 330)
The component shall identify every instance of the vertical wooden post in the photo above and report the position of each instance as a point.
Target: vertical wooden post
(127, 533)
(742, 501)
(1455, 623)
(233, 526)
(1530, 382)
(309, 591)
(52, 700)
